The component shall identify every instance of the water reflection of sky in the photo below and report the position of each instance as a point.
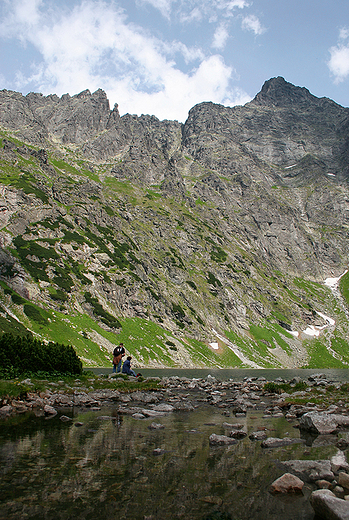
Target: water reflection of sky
(107, 468)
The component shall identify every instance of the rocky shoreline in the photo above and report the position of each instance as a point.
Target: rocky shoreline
(327, 421)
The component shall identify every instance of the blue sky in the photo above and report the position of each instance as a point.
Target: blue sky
(161, 57)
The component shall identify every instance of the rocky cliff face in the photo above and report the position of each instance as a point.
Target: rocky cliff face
(224, 227)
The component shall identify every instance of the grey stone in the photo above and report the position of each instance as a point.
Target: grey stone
(287, 483)
(221, 440)
(316, 422)
(258, 436)
(273, 442)
(309, 470)
(343, 479)
(156, 426)
(49, 410)
(328, 507)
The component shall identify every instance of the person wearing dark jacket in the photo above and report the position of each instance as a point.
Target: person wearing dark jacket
(126, 368)
(118, 353)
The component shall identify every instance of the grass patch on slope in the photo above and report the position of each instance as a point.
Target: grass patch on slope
(320, 356)
(145, 340)
(269, 336)
(344, 288)
(254, 351)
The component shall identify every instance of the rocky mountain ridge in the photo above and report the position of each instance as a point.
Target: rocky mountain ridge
(220, 231)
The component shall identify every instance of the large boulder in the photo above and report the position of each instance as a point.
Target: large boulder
(328, 507)
(287, 483)
(317, 422)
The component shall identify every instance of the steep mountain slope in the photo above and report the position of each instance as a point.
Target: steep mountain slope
(195, 244)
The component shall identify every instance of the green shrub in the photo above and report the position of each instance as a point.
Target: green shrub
(33, 313)
(218, 255)
(213, 280)
(65, 282)
(178, 311)
(17, 299)
(59, 296)
(100, 313)
(192, 285)
(19, 355)
(272, 388)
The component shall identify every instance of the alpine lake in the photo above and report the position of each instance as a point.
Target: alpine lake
(104, 465)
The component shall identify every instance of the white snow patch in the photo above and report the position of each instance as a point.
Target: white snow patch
(313, 331)
(294, 333)
(288, 167)
(330, 320)
(332, 283)
(214, 345)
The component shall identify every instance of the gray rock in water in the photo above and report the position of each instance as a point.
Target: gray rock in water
(158, 451)
(339, 462)
(273, 442)
(287, 483)
(257, 436)
(317, 422)
(49, 410)
(184, 406)
(6, 410)
(328, 507)
(138, 415)
(309, 470)
(221, 440)
(156, 426)
(238, 434)
(65, 418)
(163, 407)
(152, 413)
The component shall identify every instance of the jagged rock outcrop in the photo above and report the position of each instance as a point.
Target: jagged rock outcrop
(216, 224)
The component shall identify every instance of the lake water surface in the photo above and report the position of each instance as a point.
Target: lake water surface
(102, 466)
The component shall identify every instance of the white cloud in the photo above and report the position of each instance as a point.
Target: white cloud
(164, 6)
(196, 10)
(195, 15)
(94, 46)
(220, 37)
(344, 33)
(252, 23)
(339, 62)
(19, 12)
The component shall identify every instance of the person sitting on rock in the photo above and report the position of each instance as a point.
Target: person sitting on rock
(126, 368)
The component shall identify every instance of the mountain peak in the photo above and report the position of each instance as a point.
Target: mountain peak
(277, 91)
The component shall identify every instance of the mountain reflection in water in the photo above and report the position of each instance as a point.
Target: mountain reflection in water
(107, 468)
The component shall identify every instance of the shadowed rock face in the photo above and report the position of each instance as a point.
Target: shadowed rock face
(224, 201)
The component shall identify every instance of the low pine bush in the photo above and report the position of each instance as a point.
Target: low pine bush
(19, 355)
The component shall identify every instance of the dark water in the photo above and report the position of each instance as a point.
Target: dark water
(106, 468)
(236, 374)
